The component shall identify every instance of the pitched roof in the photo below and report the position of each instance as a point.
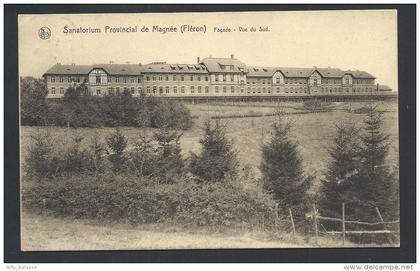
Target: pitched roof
(360, 74)
(214, 64)
(174, 68)
(69, 69)
(304, 72)
(114, 69)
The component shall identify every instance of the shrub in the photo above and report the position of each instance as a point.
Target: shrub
(128, 198)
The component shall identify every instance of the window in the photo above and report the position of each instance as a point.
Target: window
(147, 78)
(232, 77)
(207, 89)
(175, 89)
(216, 78)
(117, 90)
(278, 90)
(160, 90)
(166, 78)
(53, 90)
(132, 90)
(182, 89)
(154, 89)
(69, 79)
(347, 81)
(192, 89)
(232, 89)
(109, 79)
(124, 80)
(61, 90)
(154, 77)
(174, 78)
(98, 91)
(216, 89)
(248, 90)
(224, 77)
(167, 90)
(132, 80)
(242, 90)
(148, 89)
(139, 80)
(199, 78)
(199, 89)
(160, 77)
(263, 90)
(192, 78)
(110, 90)
(61, 80)
(224, 89)
(52, 79)
(277, 80)
(125, 89)
(315, 81)
(206, 78)
(140, 90)
(117, 79)
(182, 78)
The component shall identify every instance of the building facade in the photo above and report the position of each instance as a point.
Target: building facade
(209, 77)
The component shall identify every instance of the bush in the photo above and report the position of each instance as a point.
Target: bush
(43, 161)
(128, 198)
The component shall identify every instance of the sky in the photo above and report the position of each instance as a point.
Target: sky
(355, 40)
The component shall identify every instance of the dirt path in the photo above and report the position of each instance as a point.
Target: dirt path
(47, 233)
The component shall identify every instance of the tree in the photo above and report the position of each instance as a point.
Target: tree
(80, 109)
(282, 172)
(218, 158)
(344, 166)
(171, 163)
(117, 143)
(375, 185)
(33, 107)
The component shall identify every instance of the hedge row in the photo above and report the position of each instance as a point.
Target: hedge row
(142, 200)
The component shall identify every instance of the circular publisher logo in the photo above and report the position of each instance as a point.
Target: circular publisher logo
(44, 33)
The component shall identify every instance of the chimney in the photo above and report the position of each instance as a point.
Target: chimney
(232, 56)
(139, 63)
(198, 60)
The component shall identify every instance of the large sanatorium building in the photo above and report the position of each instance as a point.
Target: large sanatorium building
(210, 77)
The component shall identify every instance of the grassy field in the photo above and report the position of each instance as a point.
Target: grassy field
(314, 131)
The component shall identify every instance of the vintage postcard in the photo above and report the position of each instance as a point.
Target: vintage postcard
(211, 130)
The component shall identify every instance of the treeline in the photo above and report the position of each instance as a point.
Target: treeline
(79, 109)
(149, 180)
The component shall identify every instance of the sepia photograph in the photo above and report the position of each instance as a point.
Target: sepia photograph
(209, 130)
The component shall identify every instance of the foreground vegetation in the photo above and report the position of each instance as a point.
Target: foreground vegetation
(150, 177)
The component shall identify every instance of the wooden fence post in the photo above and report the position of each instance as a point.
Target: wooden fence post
(315, 224)
(293, 224)
(382, 220)
(344, 222)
